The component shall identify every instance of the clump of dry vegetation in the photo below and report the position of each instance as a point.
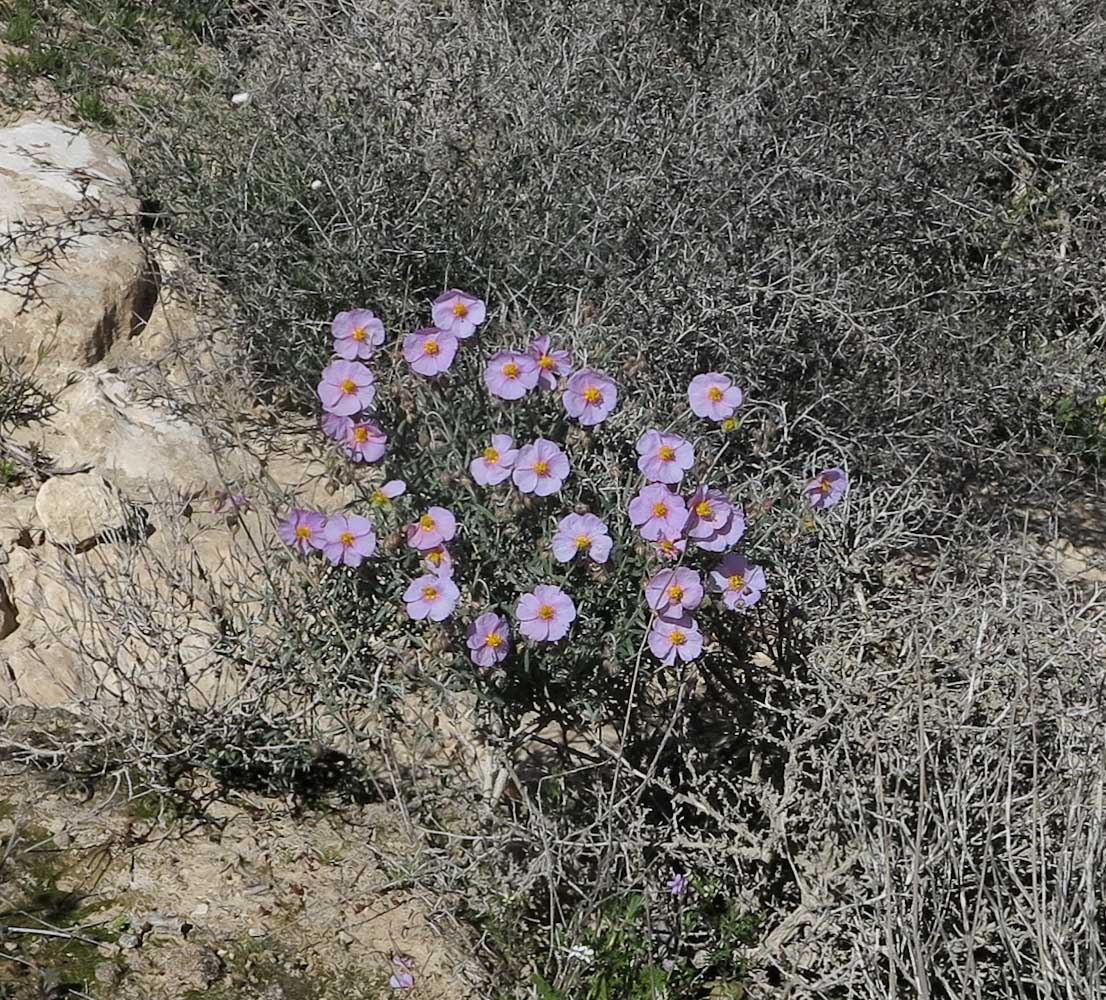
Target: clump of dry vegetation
(888, 218)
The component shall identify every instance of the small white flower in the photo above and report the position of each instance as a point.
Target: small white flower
(315, 185)
(581, 952)
(242, 97)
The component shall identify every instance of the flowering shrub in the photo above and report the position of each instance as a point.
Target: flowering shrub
(523, 542)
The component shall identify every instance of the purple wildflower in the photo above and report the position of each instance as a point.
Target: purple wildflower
(545, 614)
(430, 351)
(678, 884)
(727, 536)
(671, 592)
(432, 597)
(510, 374)
(740, 582)
(350, 539)
(541, 467)
(670, 548)
(337, 427)
(488, 639)
(708, 514)
(357, 334)
(714, 396)
(366, 442)
(664, 457)
(495, 462)
(458, 312)
(383, 496)
(590, 396)
(551, 364)
(303, 530)
(672, 639)
(346, 388)
(827, 489)
(437, 561)
(658, 513)
(581, 533)
(436, 526)
(402, 979)
(229, 503)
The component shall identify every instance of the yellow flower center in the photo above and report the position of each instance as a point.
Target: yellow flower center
(434, 557)
(546, 362)
(358, 333)
(824, 486)
(430, 347)
(303, 531)
(545, 612)
(737, 581)
(666, 453)
(592, 395)
(426, 522)
(348, 386)
(583, 542)
(379, 498)
(660, 509)
(729, 424)
(494, 639)
(667, 547)
(676, 637)
(460, 309)
(541, 468)
(510, 369)
(429, 593)
(675, 592)
(360, 434)
(491, 456)
(346, 539)
(714, 394)
(704, 509)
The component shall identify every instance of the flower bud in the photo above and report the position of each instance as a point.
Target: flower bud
(393, 541)
(446, 477)
(424, 439)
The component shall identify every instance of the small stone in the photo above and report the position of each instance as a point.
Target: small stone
(345, 938)
(76, 510)
(129, 941)
(256, 932)
(107, 973)
(199, 911)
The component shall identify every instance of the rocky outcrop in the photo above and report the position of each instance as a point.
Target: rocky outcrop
(76, 280)
(78, 510)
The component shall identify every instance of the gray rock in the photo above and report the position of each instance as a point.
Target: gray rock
(76, 510)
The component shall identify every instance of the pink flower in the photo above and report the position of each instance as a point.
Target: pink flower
(346, 388)
(432, 597)
(430, 351)
(337, 427)
(458, 312)
(349, 539)
(708, 513)
(366, 442)
(672, 639)
(230, 503)
(403, 978)
(541, 468)
(436, 526)
(727, 536)
(488, 639)
(671, 592)
(545, 614)
(590, 396)
(827, 490)
(437, 561)
(664, 457)
(581, 533)
(740, 582)
(357, 334)
(510, 375)
(383, 496)
(714, 396)
(495, 462)
(658, 513)
(303, 530)
(551, 364)
(670, 548)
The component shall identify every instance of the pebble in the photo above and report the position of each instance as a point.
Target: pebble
(256, 932)
(129, 941)
(201, 910)
(344, 938)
